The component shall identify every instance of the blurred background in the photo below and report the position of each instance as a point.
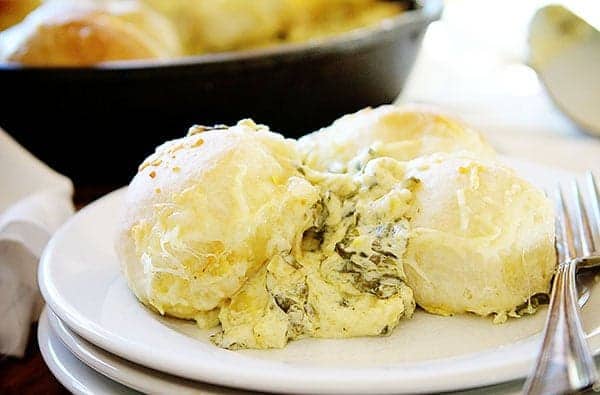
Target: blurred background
(476, 62)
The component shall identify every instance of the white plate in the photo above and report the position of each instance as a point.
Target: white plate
(74, 375)
(80, 279)
(151, 381)
(126, 372)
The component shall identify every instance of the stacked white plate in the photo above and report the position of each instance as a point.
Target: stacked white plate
(97, 338)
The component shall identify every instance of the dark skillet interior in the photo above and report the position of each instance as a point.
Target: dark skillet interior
(97, 124)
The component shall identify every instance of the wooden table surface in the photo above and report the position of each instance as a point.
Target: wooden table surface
(30, 375)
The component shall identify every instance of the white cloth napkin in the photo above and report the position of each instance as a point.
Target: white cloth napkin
(34, 202)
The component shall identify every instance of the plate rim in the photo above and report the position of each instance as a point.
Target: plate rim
(121, 370)
(50, 345)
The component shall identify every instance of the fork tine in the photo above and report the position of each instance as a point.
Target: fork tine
(583, 233)
(559, 241)
(564, 234)
(594, 208)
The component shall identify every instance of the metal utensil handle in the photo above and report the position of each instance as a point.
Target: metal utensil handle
(565, 364)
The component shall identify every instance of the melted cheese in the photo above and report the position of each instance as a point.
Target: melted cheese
(345, 278)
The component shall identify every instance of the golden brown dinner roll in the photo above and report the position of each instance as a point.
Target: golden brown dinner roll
(78, 33)
(223, 25)
(309, 19)
(481, 239)
(207, 211)
(226, 25)
(13, 11)
(400, 132)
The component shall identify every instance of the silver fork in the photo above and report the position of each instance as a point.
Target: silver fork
(565, 364)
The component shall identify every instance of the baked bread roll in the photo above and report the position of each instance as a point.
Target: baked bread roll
(310, 19)
(224, 25)
(399, 132)
(229, 226)
(205, 212)
(73, 33)
(80, 33)
(481, 239)
(13, 11)
(227, 25)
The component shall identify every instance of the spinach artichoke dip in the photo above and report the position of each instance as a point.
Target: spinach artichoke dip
(341, 233)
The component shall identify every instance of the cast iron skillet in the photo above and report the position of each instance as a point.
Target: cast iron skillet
(96, 124)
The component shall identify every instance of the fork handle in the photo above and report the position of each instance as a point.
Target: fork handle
(565, 364)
